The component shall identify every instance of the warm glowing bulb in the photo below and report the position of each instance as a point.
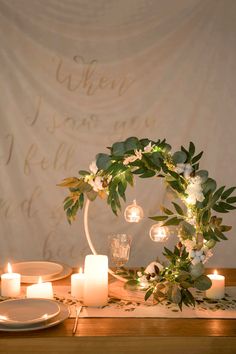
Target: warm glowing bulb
(159, 233)
(9, 268)
(133, 212)
(40, 280)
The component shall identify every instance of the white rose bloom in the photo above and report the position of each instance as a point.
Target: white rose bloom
(199, 253)
(150, 268)
(179, 168)
(143, 281)
(96, 184)
(194, 191)
(186, 169)
(93, 167)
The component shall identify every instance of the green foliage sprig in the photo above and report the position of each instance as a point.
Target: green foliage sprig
(199, 227)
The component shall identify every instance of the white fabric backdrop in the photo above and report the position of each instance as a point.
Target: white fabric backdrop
(76, 76)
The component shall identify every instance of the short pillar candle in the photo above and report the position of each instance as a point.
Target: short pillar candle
(217, 290)
(77, 285)
(96, 280)
(40, 290)
(10, 283)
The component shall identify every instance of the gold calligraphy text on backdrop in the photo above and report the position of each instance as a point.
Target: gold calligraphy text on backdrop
(85, 77)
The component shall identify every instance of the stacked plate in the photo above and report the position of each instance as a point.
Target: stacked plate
(48, 271)
(31, 314)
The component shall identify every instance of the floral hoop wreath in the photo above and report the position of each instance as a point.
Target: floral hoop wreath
(198, 228)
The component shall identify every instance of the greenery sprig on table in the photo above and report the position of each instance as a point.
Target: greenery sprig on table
(199, 228)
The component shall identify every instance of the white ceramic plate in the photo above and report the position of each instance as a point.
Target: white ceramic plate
(22, 312)
(31, 271)
(62, 316)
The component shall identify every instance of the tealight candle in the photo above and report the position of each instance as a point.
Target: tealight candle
(10, 283)
(217, 290)
(96, 280)
(40, 290)
(77, 284)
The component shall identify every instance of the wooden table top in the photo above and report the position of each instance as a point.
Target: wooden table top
(131, 335)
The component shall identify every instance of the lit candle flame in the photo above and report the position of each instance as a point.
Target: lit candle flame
(215, 272)
(9, 268)
(40, 280)
(80, 271)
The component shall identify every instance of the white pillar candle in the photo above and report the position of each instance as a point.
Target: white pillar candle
(10, 283)
(77, 284)
(217, 290)
(96, 280)
(40, 290)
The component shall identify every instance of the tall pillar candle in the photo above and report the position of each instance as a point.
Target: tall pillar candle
(217, 289)
(10, 283)
(96, 280)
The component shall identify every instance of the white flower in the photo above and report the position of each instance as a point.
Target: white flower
(186, 169)
(151, 268)
(132, 158)
(148, 148)
(93, 167)
(194, 191)
(143, 281)
(96, 184)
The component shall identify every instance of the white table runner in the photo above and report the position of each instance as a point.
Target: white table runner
(132, 307)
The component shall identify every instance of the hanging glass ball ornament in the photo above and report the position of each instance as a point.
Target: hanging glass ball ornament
(159, 233)
(133, 212)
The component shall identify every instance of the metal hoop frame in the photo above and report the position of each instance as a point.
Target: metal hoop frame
(90, 243)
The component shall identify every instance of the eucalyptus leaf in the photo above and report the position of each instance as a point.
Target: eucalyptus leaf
(209, 186)
(91, 195)
(203, 174)
(202, 283)
(196, 270)
(179, 157)
(132, 143)
(187, 230)
(118, 149)
(103, 161)
(210, 244)
(176, 294)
